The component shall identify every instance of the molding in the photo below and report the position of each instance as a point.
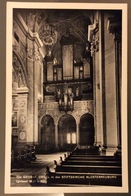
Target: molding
(92, 29)
(93, 37)
(113, 25)
(22, 90)
(52, 110)
(29, 34)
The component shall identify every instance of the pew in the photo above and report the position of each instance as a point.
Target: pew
(91, 162)
(86, 168)
(89, 169)
(22, 156)
(95, 158)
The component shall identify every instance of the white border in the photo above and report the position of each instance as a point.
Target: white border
(9, 18)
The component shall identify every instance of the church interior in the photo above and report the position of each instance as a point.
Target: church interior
(66, 86)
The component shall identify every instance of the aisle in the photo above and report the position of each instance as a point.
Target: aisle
(33, 174)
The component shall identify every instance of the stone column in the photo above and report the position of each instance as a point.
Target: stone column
(56, 135)
(114, 28)
(36, 77)
(95, 38)
(30, 73)
(118, 66)
(34, 81)
(99, 88)
(22, 117)
(77, 134)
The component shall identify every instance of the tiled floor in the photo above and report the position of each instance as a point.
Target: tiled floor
(33, 174)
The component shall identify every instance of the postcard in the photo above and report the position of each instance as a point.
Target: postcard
(66, 98)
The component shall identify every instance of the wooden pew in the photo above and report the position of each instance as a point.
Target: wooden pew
(21, 157)
(89, 169)
(91, 162)
(82, 169)
(95, 158)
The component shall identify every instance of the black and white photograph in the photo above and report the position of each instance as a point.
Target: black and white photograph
(66, 73)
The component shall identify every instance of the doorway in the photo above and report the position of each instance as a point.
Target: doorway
(47, 134)
(67, 132)
(86, 129)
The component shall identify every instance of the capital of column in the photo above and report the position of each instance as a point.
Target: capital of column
(56, 124)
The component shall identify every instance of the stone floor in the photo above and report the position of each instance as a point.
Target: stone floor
(33, 174)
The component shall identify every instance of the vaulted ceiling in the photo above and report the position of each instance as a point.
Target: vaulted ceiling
(70, 23)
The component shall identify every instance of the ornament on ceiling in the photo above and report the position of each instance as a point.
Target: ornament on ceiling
(48, 34)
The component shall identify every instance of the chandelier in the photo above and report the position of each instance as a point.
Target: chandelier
(48, 34)
(65, 99)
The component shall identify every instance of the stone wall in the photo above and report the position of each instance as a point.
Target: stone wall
(80, 108)
(27, 80)
(110, 86)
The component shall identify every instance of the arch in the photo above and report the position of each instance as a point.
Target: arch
(19, 67)
(14, 80)
(62, 114)
(40, 119)
(47, 133)
(86, 128)
(67, 132)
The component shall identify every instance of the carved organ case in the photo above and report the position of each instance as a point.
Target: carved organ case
(75, 71)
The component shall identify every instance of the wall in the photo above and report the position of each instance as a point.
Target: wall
(80, 108)
(105, 111)
(110, 86)
(27, 48)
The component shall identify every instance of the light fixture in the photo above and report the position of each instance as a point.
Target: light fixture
(48, 34)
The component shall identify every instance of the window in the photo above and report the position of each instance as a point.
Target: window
(71, 138)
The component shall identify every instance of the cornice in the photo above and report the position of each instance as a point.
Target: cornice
(22, 90)
(92, 29)
(93, 37)
(113, 25)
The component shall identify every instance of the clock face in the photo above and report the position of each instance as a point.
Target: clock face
(22, 118)
(22, 135)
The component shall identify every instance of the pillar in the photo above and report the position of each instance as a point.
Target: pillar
(77, 134)
(22, 119)
(114, 28)
(56, 135)
(95, 38)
